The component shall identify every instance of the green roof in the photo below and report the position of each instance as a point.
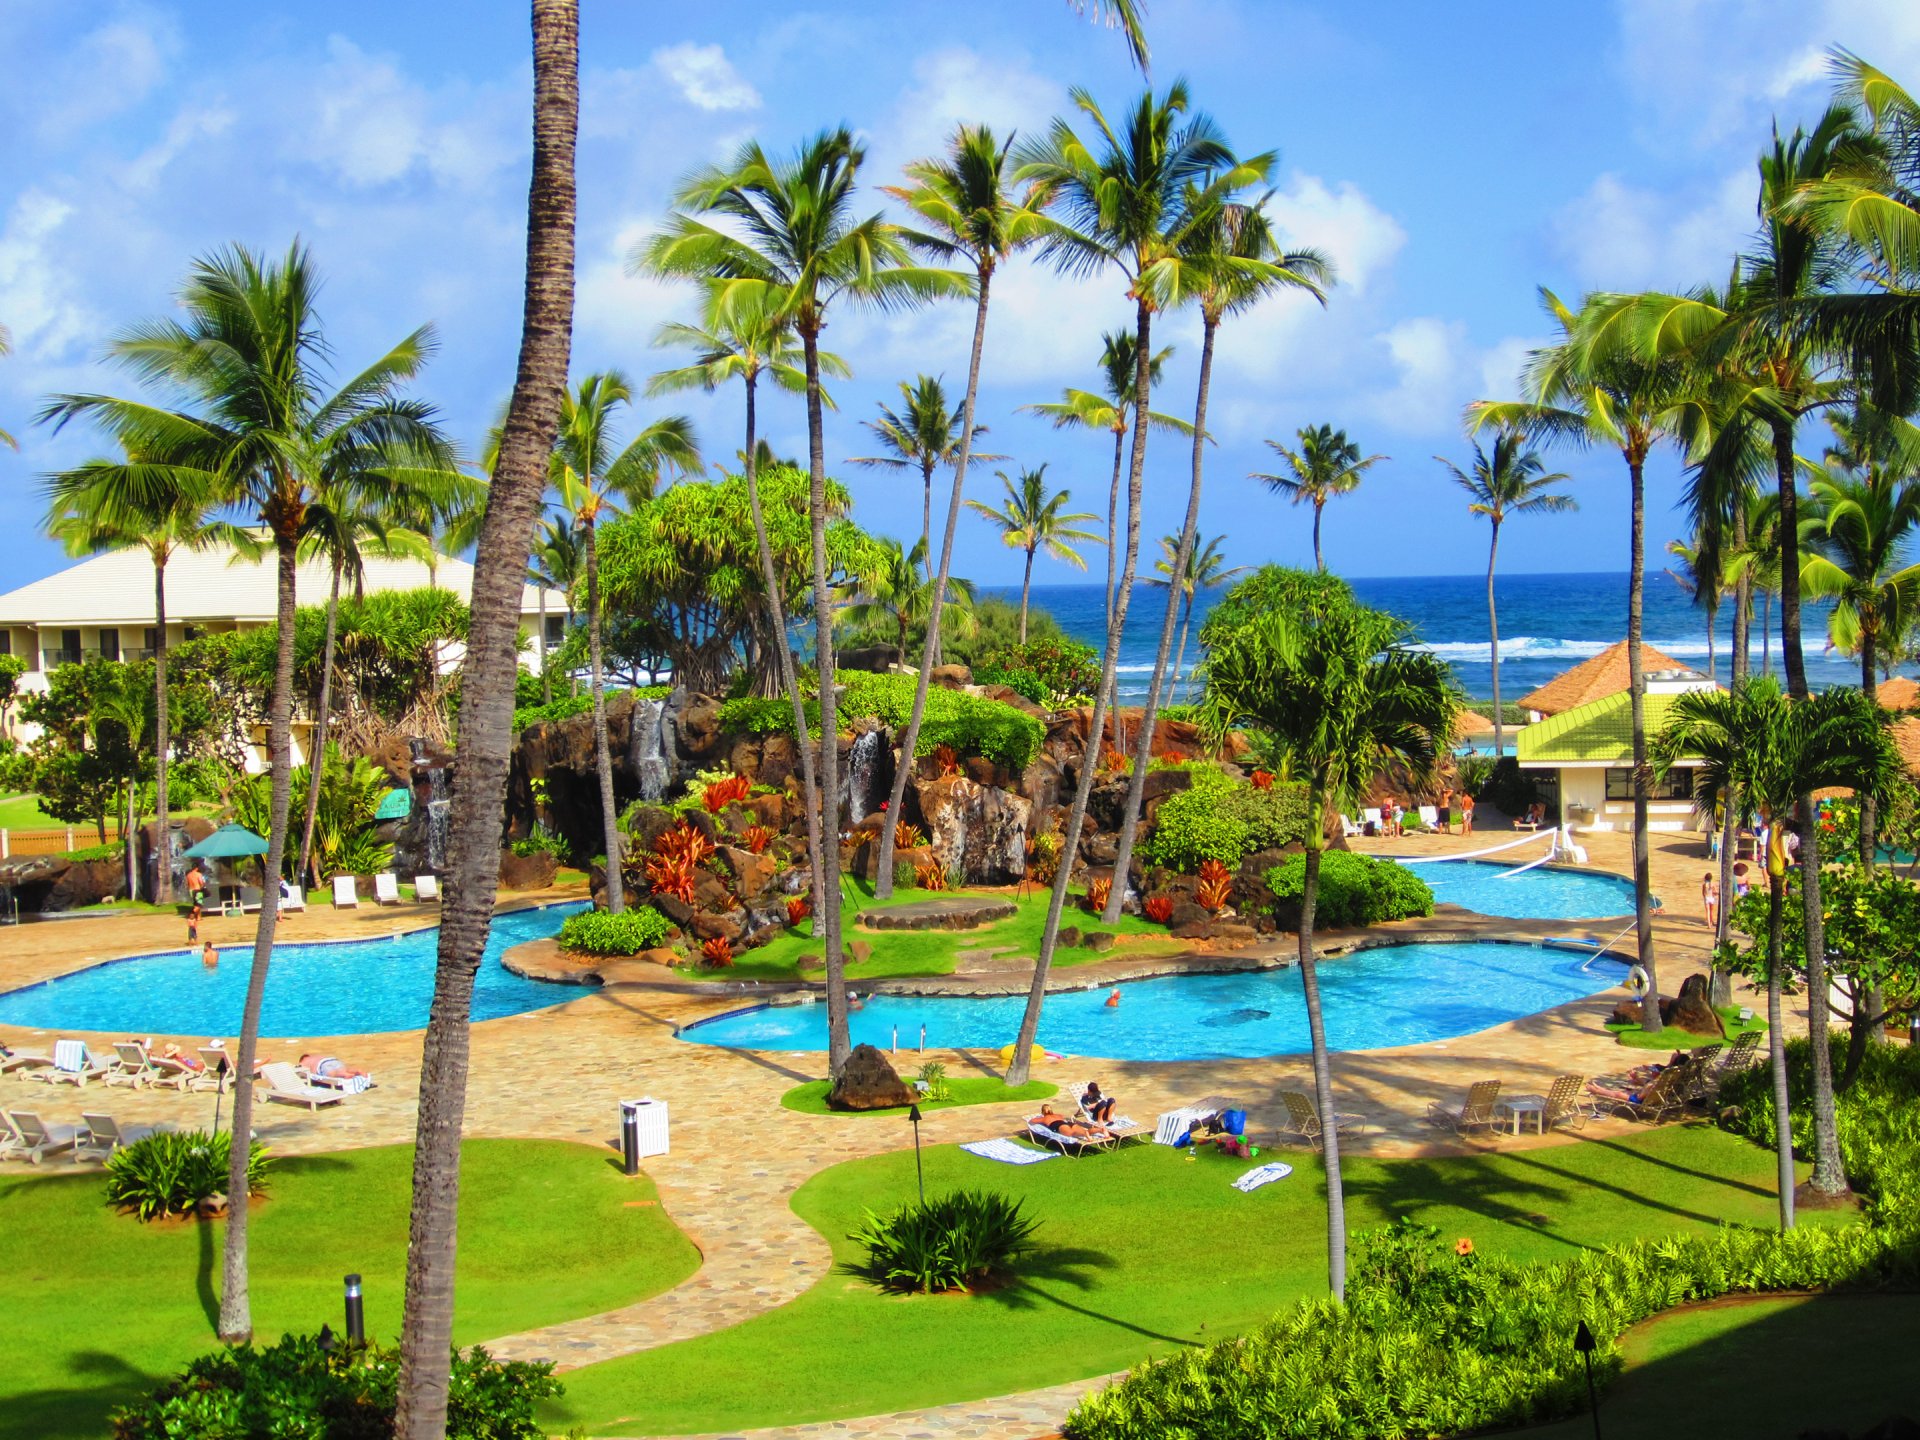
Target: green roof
(1600, 732)
(396, 804)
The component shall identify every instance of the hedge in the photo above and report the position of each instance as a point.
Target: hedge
(1354, 890)
(970, 724)
(1219, 818)
(595, 932)
(567, 706)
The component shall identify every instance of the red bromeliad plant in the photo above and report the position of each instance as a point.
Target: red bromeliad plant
(756, 838)
(1158, 908)
(946, 762)
(1216, 884)
(1262, 779)
(683, 842)
(718, 951)
(671, 875)
(798, 908)
(1097, 893)
(722, 793)
(908, 836)
(929, 876)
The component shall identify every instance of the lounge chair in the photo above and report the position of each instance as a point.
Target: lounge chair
(282, 1082)
(1567, 1103)
(101, 1135)
(426, 887)
(73, 1064)
(20, 1062)
(1429, 816)
(1475, 1112)
(1668, 1093)
(134, 1065)
(294, 899)
(1071, 1144)
(1743, 1054)
(1371, 817)
(345, 1084)
(34, 1139)
(386, 888)
(345, 895)
(217, 1061)
(1303, 1118)
(1350, 827)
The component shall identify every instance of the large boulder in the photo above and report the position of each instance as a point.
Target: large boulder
(978, 831)
(1692, 1010)
(526, 872)
(950, 677)
(44, 884)
(184, 832)
(874, 659)
(868, 1082)
(753, 875)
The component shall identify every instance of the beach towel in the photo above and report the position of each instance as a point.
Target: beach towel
(1262, 1175)
(1008, 1153)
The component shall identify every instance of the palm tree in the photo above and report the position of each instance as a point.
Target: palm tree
(1128, 202)
(247, 356)
(1126, 16)
(1032, 519)
(1511, 481)
(922, 435)
(789, 226)
(1342, 697)
(1703, 577)
(1326, 464)
(1206, 569)
(592, 474)
(6, 348)
(160, 508)
(1588, 395)
(486, 718)
(894, 593)
(1227, 262)
(1763, 751)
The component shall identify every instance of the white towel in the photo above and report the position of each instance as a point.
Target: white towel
(1008, 1153)
(70, 1055)
(1262, 1175)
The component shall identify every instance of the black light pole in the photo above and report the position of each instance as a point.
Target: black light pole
(1583, 1342)
(356, 1315)
(913, 1114)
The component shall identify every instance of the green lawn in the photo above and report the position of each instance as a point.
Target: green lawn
(811, 1098)
(100, 1306)
(1144, 1250)
(1673, 1038)
(21, 811)
(930, 952)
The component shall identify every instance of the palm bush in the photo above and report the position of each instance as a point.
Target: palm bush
(171, 1172)
(955, 1241)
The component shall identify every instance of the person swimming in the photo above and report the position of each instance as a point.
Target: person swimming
(1113, 998)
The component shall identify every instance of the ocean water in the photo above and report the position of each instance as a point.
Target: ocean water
(1548, 623)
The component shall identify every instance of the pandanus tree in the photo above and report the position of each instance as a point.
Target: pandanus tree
(1228, 260)
(1032, 518)
(1764, 751)
(1585, 394)
(489, 674)
(248, 359)
(1206, 569)
(922, 435)
(965, 209)
(1341, 697)
(1512, 481)
(593, 474)
(790, 226)
(1326, 464)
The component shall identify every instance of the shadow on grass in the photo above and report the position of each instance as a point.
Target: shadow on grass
(102, 1381)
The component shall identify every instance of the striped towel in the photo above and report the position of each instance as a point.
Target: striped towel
(1008, 1153)
(70, 1055)
(1262, 1175)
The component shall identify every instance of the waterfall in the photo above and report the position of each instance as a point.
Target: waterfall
(866, 786)
(439, 816)
(648, 749)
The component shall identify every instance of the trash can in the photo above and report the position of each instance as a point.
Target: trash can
(643, 1128)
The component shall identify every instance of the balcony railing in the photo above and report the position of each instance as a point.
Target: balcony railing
(63, 656)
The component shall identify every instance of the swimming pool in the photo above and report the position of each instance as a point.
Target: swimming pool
(345, 987)
(1388, 995)
(1539, 894)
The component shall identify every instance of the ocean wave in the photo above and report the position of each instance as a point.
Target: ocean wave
(1571, 652)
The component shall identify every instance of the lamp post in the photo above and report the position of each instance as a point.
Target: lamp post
(913, 1115)
(356, 1315)
(1583, 1341)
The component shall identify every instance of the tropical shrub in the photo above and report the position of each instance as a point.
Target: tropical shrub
(1217, 818)
(1158, 908)
(951, 1242)
(1261, 779)
(970, 724)
(595, 932)
(1216, 885)
(541, 841)
(756, 838)
(345, 841)
(1354, 890)
(721, 793)
(1098, 893)
(1043, 856)
(671, 875)
(1508, 788)
(946, 761)
(171, 1171)
(799, 907)
(717, 951)
(302, 1388)
(683, 842)
(908, 836)
(1046, 672)
(929, 875)
(933, 1077)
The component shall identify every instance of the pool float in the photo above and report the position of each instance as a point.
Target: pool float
(1637, 981)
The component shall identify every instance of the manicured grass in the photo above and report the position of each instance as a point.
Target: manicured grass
(899, 953)
(1673, 1038)
(101, 1306)
(1144, 1250)
(1826, 1364)
(811, 1098)
(21, 811)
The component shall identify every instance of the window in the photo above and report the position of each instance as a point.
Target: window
(109, 644)
(70, 646)
(556, 630)
(152, 639)
(1677, 785)
(6, 642)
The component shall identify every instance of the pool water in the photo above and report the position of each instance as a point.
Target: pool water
(347, 987)
(1390, 995)
(1540, 894)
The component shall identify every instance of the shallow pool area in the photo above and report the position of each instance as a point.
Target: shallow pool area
(1383, 996)
(1543, 893)
(333, 987)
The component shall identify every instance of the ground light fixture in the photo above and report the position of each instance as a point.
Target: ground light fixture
(1583, 1341)
(913, 1116)
(356, 1313)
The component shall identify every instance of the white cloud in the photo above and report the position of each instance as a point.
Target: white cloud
(1618, 236)
(108, 71)
(1438, 371)
(948, 86)
(192, 124)
(1343, 223)
(39, 295)
(705, 77)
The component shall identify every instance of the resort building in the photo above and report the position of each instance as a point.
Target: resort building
(103, 608)
(1579, 752)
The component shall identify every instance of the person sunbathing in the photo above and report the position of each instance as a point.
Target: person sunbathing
(181, 1058)
(1068, 1127)
(1096, 1106)
(330, 1068)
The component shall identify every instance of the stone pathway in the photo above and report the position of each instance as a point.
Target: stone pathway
(1024, 1416)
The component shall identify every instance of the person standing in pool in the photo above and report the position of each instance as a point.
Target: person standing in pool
(209, 956)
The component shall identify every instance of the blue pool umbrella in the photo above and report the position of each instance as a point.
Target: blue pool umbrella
(226, 843)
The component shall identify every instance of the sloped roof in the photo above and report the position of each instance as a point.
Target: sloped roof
(1596, 678)
(117, 588)
(1472, 722)
(1899, 693)
(1600, 732)
(1906, 739)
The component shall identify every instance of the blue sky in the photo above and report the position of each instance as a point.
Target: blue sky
(1448, 158)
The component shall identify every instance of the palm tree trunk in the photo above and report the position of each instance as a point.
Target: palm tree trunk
(1766, 631)
(1869, 801)
(926, 517)
(1180, 652)
(1182, 558)
(486, 719)
(897, 797)
(236, 1311)
(130, 841)
(1322, 1066)
(162, 739)
(546, 680)
(1777, 1051)
(1113, 586)
(1642, 775)
(1791, 656)
(602, 752)
(1319, 563)
(1493, 647)
(783, 654)
(317, 749)
(1739, 663)
(1026, 587)
(1869, 1001)
(1713, 614)
(1083, 784)
(826, 796)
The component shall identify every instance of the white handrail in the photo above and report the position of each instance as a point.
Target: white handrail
(1472, 854)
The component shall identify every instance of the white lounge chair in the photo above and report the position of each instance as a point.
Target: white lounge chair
(20, 1062)
(282, 1082)
(1349, 828)
(34, 1139)
(133, 1066)
(1372, 816)
(218, 1062)
(386, 888)
(294, 899)
(1429, 816)
(346, 895)
(101, 1135)
(73, 1064)
(426, 887)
